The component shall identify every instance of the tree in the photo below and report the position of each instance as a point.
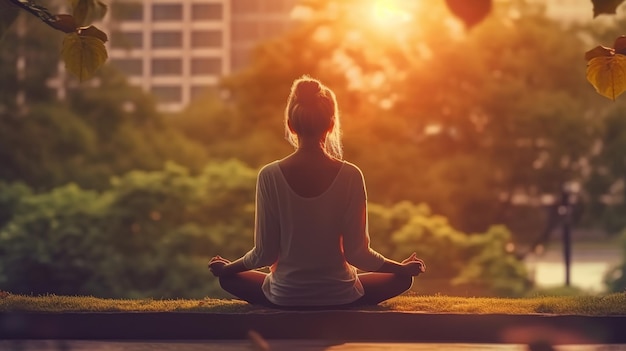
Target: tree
(475, 123)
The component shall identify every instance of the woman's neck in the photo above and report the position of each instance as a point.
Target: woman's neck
(310, 147)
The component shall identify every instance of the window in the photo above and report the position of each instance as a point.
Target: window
(126, 40)
(130, 67)
(168, 94)
(164, 67)
(206, 66)
(207, 11)
(127, 11)
(245, 7)
(167, 12)
(206, 39)
(167, 39)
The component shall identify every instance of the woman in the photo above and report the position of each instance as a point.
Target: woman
(311, 222)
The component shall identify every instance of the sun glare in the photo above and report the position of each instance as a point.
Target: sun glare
(386, 13)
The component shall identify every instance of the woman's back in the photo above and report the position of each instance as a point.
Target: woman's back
(309, 174)
(309, 238)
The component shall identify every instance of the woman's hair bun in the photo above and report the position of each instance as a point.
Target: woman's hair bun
(307, 91)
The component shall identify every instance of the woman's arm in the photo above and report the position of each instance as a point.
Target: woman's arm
(220, 266)
(356, 240)
(266, 237)
(410, 266)
(266, 229)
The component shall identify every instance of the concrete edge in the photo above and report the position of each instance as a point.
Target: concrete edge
(326, 325)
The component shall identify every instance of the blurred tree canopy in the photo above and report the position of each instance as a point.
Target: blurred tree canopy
(149, 235)
(497, 118)
(615, 279)
(97, 131)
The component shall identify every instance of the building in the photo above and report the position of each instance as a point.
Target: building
(176, 49)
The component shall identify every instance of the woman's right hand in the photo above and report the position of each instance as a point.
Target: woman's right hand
(413, 265)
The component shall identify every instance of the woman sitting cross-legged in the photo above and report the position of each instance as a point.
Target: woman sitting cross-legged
(311, 222)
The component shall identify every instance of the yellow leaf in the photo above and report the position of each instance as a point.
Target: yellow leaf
(608, 75)
(83, 55)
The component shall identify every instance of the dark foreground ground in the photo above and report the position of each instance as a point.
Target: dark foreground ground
(278, 345)
(362, 326)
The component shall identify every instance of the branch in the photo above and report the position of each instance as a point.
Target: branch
(54, 21)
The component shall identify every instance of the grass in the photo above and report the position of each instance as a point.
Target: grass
(612, 304)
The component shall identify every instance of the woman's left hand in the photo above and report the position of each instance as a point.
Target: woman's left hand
(216, 265)
(419, 261)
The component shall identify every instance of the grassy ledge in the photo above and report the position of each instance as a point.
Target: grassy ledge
(601, 305)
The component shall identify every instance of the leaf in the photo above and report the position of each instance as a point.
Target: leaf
(64, 23)
(92, 31)
(470, 12)
(599, 51)
(608, 75)
(8, 14)
(605, 6)
(88, 11)
(83, 55)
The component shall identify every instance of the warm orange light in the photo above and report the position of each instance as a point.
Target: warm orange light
(387, 13)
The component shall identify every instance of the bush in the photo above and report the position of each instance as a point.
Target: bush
(150, 234)
(457, 263)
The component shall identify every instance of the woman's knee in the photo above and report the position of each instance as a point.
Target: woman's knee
(227, 282)
(404, 282)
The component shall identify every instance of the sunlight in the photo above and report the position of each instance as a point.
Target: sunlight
(387, 13)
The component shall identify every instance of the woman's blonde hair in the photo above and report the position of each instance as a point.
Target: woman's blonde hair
(312, 111)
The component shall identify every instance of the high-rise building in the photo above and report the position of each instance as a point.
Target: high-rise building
(177, 49)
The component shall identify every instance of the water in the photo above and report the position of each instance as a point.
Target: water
(589, 266)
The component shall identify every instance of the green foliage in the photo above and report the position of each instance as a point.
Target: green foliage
(458, 263)
(151, 233)
(615, 279)
(226, 131)
(97, 133)
(609, 173)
